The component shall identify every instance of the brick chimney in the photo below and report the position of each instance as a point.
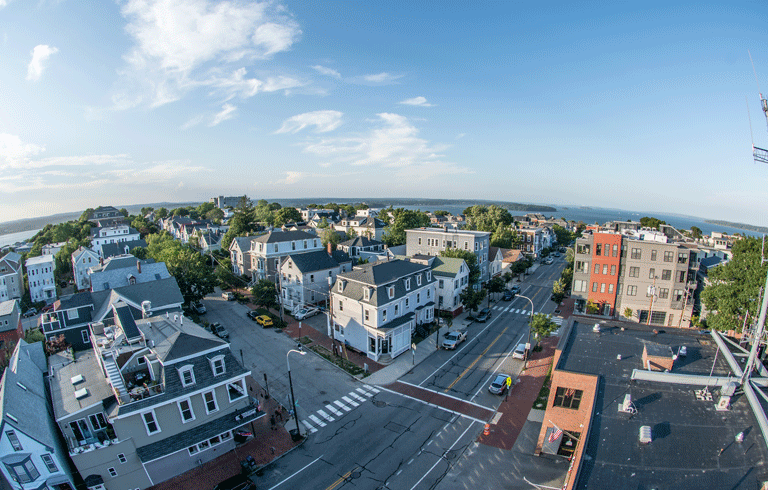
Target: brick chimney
(138, 265)
(330, 251)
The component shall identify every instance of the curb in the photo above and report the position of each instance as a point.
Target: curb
(263, 467)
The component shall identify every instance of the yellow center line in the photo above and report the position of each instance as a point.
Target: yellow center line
(341, 479)
(475, 361)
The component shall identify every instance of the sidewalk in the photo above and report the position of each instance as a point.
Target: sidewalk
(266, 445)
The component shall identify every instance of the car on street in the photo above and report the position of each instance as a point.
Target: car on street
(509, 295)
(239, 482)
(303, 313)
(499, 384)
(483, 316)
(199, 308)
(549, 261)
(228, 295)
(454, 338)
(519, 352)
(682, 351)
(515, 289)
(252, 315)
(218, 330)
(30, 312)
(264, 320)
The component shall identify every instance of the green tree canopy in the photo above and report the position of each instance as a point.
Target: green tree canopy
(487, 218)
(287, 215)
(161, 213)
(564, 237)
(648, 222)
(471, 298)
(735, 286)
(542, 325)
(469, 258)
(695, 232)
(403, 219)
(264, 294)
(330, 236)
(505, 237)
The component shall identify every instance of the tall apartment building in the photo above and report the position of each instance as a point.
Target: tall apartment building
(642, 270)
(11, 277)
(112, 234)
(40, 276)
(431, 241)
(268, 250)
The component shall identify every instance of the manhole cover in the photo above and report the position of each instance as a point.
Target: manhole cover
(379, 404)
(326, 402)
(355, 475)
(323, 393)
(450, 455)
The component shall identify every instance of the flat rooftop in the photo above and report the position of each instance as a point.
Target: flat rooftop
(63, 369)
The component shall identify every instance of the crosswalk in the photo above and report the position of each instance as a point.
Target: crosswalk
(522, 311)
(338, 408)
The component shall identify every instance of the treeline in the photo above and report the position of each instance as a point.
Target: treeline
(741, 226)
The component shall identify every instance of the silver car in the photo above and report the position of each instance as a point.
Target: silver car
(499, 384)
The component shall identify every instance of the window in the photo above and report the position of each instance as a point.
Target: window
(607, 249)
(636, 254)
(98, 421)
(418, 280)
(366, 315)
(605, 269)
(187, 375)
(341, 305)
(407, 301)
(681, 276)
(663, 293)
(634, 272)
(25, 471)
(651, 273)
(49, 463)
(121, 457)
(236, 391)
(610, 288)
(210, 402)
(602, 287)
(86, 337)
(580, 286)
(678, 295)
(567, 398)
(384, 315)
(217, 365)
(682, 258)
(440, 283)
(653, 255)
(666, 275)
(615, 250)
(367, 294)
(112, 472)
(613, 270)
(418, 298)
(419, 240)
(631, 290)
(429, 276)
(150, 423)
(669, 256)
(14, 440)
(341, 286)
(408, 284)
(594, 287)
(597, 268)
(396, 310)
(598, 249)
(185, 408)
(391, 291)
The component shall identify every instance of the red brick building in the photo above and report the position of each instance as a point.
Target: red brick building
(10, 325)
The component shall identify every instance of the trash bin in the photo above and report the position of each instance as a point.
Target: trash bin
(295, 436)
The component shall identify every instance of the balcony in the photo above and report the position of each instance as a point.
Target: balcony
(93, 442)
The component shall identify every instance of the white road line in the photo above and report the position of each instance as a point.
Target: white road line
(364, 392)
(497, 368)
(310, 427)
(304, 468)
(356, 396)
(434, 406)
(316, 420)
(375, 390)
(346, 408)
(441, 457)
(349, 400)
(446, 395)
(326, 416)
(331, 408)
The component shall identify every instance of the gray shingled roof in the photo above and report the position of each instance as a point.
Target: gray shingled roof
(13, 259)
(114, 249)
(162, 294)
(117, 272)
(12, 312)
(379, 275)
(284, 236)
(244, 242)
(361, 241)
(182, 344)
(383, 272)
(28, 406)
(318, 260)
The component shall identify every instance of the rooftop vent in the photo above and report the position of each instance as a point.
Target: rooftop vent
(81, 393)
(645, 434)
(77, 379)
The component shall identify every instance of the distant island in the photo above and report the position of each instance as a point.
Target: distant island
(741, 226)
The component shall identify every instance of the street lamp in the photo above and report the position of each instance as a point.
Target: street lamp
(290, 382)
(528, 344)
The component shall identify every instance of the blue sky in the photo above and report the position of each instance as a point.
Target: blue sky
(637, 106)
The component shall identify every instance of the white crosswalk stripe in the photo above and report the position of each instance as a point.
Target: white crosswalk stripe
(333, 410)
(356, 396)
(517, 311)
(350, 401)
(346, 408)
(316, 420)
(375, 390)
(558, 320)
(326, 416)
(364, 392)
(311, 428)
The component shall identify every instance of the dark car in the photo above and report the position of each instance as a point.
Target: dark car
(199, 308)
(483, 316)
(239, 482)
(515, 289)
(30, 312)
(218, 330)
(252, 315)
(509, 295)
(499, 384)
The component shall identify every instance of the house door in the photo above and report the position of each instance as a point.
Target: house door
(372, 345)
(385, 345)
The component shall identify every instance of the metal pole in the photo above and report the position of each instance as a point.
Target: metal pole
(290, 383)
(529, 325)
(758, 335)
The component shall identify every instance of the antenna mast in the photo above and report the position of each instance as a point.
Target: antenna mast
(759, 154)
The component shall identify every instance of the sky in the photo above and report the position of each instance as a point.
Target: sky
(640, 106)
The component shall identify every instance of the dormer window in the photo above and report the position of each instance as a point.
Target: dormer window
(418, 280)
(275, 247)
(341, 286)
(187, 375)
(429, 276)
(367, 294)
(217, 365)
(408, 284)
(391, 291)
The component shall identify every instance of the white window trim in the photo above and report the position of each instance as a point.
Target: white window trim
(408, 284)
(418, 280)
(213, 365)
(154, 419)
(243, 393)
(215, 402)
(181, 410)
(391, 291)
(183, 369)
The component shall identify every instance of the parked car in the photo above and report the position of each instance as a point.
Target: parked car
(218, 330)
(549, 261)
(264, 320)
(499, 384)
(454, 338)
(519, 352)
(682, 351)
(30, 312)
(509, 295)
(483, 316)
(303, 313)
(228, 295)
(199, 308)
(515, 289)
(239, 482)
(252, 315)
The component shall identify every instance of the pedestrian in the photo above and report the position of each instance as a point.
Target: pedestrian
(278, 415)
(272, 421)
(273, 449)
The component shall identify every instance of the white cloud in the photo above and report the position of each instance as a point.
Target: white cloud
(192, 122)
(227, 112)
(327, 71)
(181, 45)
(291, 177)
(40, 55)
(324, 121)
(3, 3)
(419, 101)
(393, 143)
(383, 78)
(14, 153)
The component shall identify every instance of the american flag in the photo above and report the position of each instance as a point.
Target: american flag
(556, 433)
(569, 393)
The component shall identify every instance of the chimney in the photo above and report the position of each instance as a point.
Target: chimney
(101, 261)
(138, 265)
(330, 252)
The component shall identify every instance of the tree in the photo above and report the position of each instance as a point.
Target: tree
(469, 258)
(628, 313)
(487, 218)
(124, 212)
(190, 269)
(735, 286)
(471, 299)
(329, 235)
(86, 214)
(287, 215)
(161, 213)
(507, 277)
(695, 232)
(504, 237)
(264, 294)
(215, 214)
(351, 233)
(648, 222)
(496, 285)
(224, 275)
(558, 290)
(542, 325)
(323, 223)
(403, 219)
(440, 212)
(564, 237)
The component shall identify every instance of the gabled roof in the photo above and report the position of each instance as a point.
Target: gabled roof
(372, 222)
(242, 242)
(361, 241)
(284, 236)
(114, 249)
(379, 276)
(163, 294)
(23, 395)
(183, 344)
(11, 310)
(447, 266)
(382, 272)
(12, 259)
(493, 253)
(83, 251)
(318, 260)
(510, 255)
